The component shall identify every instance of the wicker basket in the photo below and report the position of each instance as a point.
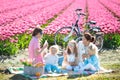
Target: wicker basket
(30, 70)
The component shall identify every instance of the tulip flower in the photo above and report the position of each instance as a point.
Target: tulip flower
(17, 17)
(104, 18)
(66, 18)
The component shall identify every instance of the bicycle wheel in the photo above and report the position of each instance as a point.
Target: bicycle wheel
(99, 42)
(63, 35)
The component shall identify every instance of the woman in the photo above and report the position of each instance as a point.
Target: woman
(83, 50)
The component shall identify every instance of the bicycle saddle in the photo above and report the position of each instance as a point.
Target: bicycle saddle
(92, 22)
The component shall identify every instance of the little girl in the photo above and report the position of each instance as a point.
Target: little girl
(91, 62)
(34, 46)
(70, 56)
(51, 60)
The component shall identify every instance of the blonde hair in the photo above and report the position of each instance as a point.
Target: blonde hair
(54, 46)
(74, 44)
(91, 49)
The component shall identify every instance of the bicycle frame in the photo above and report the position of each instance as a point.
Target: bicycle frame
(78, 28)
(74, 27)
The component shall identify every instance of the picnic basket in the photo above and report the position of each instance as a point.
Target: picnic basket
(31, 70)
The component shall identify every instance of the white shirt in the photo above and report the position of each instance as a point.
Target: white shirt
(71, 57)
(84, 49)
(51, 59)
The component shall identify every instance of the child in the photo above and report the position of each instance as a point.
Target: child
(91, 62)
(34, 46)
(70, 56)
(51, 60)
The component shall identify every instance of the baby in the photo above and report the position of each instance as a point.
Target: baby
(51, 60)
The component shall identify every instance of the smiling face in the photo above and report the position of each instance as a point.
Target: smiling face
(71, 46)
(54, 49)
(39, 35)
(85, 41)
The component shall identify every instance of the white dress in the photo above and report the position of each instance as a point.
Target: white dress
(71, 58)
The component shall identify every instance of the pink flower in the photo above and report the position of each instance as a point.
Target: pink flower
(18, 20)
(103, 17)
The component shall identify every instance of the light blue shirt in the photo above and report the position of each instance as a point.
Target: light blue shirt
(93, 59)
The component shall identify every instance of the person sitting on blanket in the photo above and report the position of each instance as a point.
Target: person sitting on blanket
(51, 60)
(70, 56)
(91, 61)
(83, 49)
(34, 46)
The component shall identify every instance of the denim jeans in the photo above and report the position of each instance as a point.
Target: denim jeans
(51, 68)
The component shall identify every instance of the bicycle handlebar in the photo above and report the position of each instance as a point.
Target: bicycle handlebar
(79, 14)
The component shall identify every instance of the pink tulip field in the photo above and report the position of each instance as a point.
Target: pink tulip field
(114, 6)
(104, 18)
(66, 19)
(18, 18)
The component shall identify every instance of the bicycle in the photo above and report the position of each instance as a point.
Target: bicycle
(65, 34)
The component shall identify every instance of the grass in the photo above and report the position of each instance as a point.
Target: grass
(109, 60)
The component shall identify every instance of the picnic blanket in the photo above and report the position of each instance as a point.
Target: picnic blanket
(20, 70)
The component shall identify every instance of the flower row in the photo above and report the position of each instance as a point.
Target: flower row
(30, 21)
(9, 5)
(67, 18)
(104, 18)
(18, 13)
(115, 2)
(112, 6)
